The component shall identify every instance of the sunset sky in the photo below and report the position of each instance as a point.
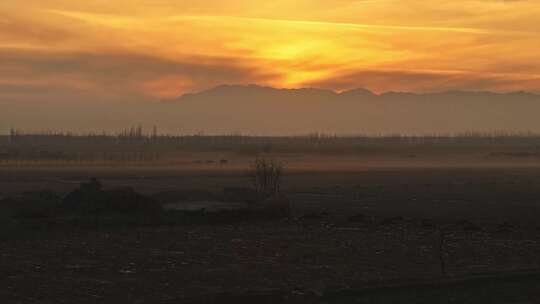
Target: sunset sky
(158, 49)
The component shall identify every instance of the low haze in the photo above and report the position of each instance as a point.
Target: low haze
(256, 110)
(283, 151)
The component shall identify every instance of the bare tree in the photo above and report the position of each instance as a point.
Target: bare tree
(266, 176)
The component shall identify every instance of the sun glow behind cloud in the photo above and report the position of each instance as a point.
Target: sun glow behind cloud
(164, 48)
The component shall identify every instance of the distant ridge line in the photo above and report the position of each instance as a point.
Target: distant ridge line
(350, 91)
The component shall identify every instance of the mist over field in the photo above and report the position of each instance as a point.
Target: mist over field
(258, 110)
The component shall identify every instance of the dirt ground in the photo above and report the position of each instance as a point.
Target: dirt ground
(398, 239)
(445, 190)
(178, 264)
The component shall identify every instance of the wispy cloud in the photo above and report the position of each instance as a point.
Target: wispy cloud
(111, 20)
(165, 48)
(356, 26)
(122, 72)
(120, 21)
(429, 80)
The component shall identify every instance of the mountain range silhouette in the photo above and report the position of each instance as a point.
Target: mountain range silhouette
(252, 109)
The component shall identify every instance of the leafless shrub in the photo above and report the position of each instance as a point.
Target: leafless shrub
(266, 176)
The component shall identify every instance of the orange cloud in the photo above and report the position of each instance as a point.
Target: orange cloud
(163, 48)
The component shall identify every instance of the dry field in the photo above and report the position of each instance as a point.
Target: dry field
(404, 206)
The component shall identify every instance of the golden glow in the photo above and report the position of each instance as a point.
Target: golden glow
(164, 48)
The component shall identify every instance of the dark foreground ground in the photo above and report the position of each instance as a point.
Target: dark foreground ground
(488, 219)
(192, 263)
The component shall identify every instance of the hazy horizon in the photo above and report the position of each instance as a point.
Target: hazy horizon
(101, 65)
(258, 110)
(337, 91)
